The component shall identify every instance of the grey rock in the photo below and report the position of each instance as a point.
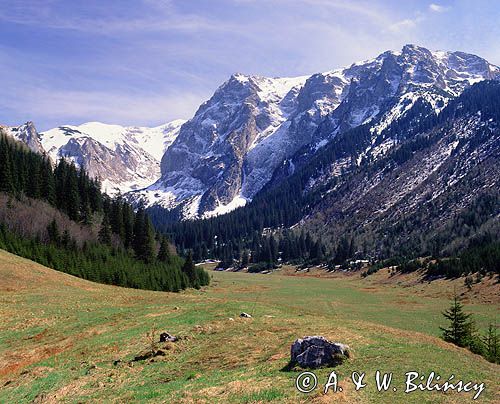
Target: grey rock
(317, 351)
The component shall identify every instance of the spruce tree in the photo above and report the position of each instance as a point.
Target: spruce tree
(66, 239)
(138, 236)
(73, 198)
(33, 184)
(6, 180)
(245, 259)
(144, 242)
(190, 270)
(491, 343)
(164, 253)
(47, 182)
(105, 231)
(149, 241)
(459, 330)
(128, 225)
(116, 217)
(53, 232)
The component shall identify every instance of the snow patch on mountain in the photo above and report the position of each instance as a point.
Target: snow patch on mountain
(221, 209)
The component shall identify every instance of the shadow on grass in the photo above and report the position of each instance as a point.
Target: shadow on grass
(293, 366)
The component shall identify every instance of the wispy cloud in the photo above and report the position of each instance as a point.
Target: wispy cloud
(436, 8)
(405, 24)
(146, 61)
(165, 18)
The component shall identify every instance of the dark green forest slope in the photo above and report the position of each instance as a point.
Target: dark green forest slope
(60, 218)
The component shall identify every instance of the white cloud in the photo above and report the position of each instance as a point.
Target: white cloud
(436, 8)
(406, 24)
(403, 25)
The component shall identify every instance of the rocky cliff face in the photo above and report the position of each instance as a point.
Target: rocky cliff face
(254, 129)
(123, 158)
(27, 134)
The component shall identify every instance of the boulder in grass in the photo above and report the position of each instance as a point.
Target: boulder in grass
(316, 351)
(166, 337)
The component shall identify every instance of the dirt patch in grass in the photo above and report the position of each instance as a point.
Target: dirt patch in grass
(16, 361)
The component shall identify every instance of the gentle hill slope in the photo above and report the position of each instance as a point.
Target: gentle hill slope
(63, 338)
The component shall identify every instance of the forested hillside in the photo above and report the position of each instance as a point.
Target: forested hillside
(59, 217)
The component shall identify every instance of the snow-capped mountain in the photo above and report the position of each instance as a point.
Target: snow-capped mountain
(25, 133)
(254, 128)
(124, 158)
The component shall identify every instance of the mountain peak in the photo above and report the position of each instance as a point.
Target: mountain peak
(412, 47)
(242, 78)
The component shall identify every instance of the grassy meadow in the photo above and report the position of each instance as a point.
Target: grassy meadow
(63, 339)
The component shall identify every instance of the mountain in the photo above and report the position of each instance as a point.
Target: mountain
(26, 134)
(254, 132)
(434, 191)
(123, 158)
(257, 129)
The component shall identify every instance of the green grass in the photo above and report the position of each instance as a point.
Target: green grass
(59, 337)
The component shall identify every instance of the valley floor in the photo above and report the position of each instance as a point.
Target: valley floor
(63, 339)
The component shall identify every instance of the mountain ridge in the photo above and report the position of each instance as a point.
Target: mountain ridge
(434, 193)
(237, 140)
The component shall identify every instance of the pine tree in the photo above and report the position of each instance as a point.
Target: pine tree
(459, 331)
(491, 343)
(164, 253)
(105, 231)
(190, 270)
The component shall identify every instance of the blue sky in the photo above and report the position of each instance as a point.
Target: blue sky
(144, 62)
